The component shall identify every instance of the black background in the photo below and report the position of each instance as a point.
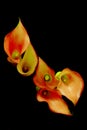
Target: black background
(58, 35)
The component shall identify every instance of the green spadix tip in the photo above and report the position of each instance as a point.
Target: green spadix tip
(47, 77)
(57, 75)
(65, 78)
(15, 54)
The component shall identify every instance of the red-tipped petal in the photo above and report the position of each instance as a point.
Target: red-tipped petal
(16, 42)
(70, 84)
(44, 76)
(55, 102)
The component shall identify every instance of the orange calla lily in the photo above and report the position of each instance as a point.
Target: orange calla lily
(44, 76)
(16, 42)
(51, 86)
(28, 63)
(70, 84)
(55, 102)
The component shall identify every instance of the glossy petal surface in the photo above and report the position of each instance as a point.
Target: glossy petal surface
(44, 76)
(70, 84)
(16, 42)
(55, 102)
(28, 63)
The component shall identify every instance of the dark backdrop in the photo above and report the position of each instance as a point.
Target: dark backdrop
(59, 37)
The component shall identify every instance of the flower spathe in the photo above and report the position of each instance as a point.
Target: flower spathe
(28, 63)
(50, 86)
(44, 76)
(16, 42)
(54, 100)
(70, 84)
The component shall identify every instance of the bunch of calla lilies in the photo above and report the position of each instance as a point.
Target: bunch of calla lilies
(50, 86)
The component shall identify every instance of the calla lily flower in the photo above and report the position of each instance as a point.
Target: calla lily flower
(44, 76)
(55, 102)
(28, 63)
(51, 86)
(16, 42)
(70, 84)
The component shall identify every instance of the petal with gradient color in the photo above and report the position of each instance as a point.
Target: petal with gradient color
(16, 42)
(70, 84)
(44, 76)
(28, 63)
(55, 102)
